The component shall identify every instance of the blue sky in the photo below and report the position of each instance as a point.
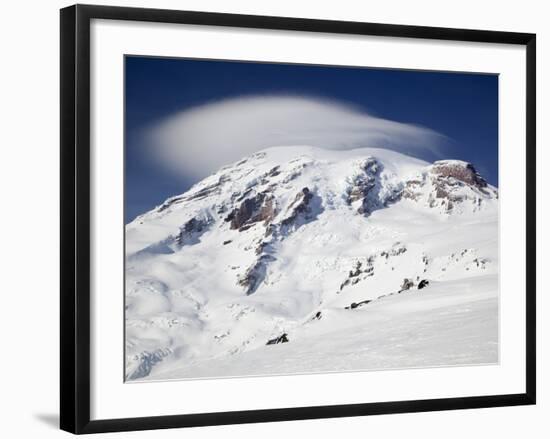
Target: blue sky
(461, 107)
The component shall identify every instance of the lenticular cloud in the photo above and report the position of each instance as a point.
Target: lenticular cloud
(198, 141)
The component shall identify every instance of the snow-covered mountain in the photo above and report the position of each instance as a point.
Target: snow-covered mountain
(301, 259)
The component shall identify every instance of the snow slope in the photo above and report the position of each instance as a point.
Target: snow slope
(301, 259)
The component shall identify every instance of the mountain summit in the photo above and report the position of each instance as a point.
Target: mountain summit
(295, 248)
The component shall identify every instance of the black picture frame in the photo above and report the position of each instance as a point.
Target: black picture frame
(75, 218)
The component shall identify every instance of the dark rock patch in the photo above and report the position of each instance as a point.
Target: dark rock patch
(283, 338)
(411, 190)
(273, 172)
(305, 207)
(252, 210)
(355, 305)
(398, 249)
(407, 284)
(255, 274)
(365, 187)
(461, 171)
(357, 271)
(300, 205)
(192, 230)
(480, 262)
(448, 180)
(344, 284)
(423, 284)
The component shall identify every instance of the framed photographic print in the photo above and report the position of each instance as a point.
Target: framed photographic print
(268, 218)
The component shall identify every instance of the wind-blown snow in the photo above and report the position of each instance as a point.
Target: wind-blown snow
(322, 255)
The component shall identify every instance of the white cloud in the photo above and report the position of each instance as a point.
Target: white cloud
(198, 141)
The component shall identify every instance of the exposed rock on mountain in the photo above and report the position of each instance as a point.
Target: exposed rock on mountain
(407, 284)
(191, 231)
(252, 210)
(255, 274)
(461, 171)
(368, 190)
(300, 207)
(451, 186)
(281, 339)
(423, 284)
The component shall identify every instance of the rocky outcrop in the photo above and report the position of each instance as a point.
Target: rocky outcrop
(412, 189)
(407, 284)
(300, 206)
(363, 269)
(449, 179)
(283, 338)
(366, 191)
(252, 210)
(396, 250)
(364, 187)
(305, 207)
(192, 230)
(460, 171)
(358, 304)
(365, 181)
(255, 274)
(273, 172)
(360, 272)
(451, 186)
(262, 208)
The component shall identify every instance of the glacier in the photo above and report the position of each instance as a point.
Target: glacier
(299, 259)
